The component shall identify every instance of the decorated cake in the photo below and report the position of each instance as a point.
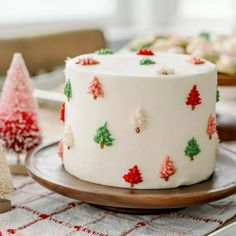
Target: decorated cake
(139, 120)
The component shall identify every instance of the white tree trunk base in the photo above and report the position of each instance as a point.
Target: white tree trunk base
(16, 164)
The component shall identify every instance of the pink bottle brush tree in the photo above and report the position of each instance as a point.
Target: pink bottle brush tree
(18, 119)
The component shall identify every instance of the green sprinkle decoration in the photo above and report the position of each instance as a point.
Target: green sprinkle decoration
(105, 51)
(68, 90)
(192, 149)
(217, 95)
(146, 61)
(103, 136)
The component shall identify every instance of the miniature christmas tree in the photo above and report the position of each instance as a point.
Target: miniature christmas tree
(68, 137)
(140, 120)
(6, 186)
(103, 136)
(192, 149)
(105, 51)
(193, 98)
(167, 169)
(133, 176)
(87, 61)
(211, 126)
(62, 114)
(95, 88)
(217, 95)
(145, 52)
(18, 119)
(60, 150)
(68, 90)
(146, 61)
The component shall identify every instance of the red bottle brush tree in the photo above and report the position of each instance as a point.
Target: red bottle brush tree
(62, 114)
(95, 88)
(211, 126)
(193, 98)
(167, 169)
(18, 119)
(133, 176)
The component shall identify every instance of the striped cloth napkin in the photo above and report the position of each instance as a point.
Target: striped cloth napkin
(38, 211)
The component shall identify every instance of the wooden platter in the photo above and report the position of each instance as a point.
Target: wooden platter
(44, 165)
(226, 80)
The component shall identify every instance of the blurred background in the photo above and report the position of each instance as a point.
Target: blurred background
(46, 32)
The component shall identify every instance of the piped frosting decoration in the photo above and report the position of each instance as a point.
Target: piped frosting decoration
(133, 176)
(192, 149)
(62, 113)
(217, 95)
(86, 61)
(68, 137)
(145, 52)
(103, 136)
(211, 126)
(60, 150)
(105, 51)
(165, 71)
(68, 90)
(193, 98)
(195, 60)
(167, 169)
(95, 88)
(140, 119)
(146, 61)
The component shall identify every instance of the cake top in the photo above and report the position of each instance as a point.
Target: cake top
(132, 64)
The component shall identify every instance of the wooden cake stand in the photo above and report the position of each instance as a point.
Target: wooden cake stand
(226, 80)
(44, 165)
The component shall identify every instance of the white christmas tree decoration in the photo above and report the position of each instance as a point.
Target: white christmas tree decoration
(68, 137)
(165, 71)
(140, 119)
(6, 186)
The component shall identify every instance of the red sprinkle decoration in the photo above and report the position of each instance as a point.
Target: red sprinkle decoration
(11, 231)
(85, 61)
(195, 60)
(62, 115)
(193, 98)
(145, 52)
(133, 176)
(167, 169)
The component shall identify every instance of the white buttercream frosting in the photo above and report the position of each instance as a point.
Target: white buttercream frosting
(127, 85)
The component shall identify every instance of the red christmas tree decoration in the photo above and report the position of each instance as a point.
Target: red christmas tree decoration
(145, 52)
(62, 114)
(195, 60)
(18, 119)
(60, 150)
(95, 88)
(193, 98)
(211, 126)
(133, 176)
(167, 169)
(86, 61)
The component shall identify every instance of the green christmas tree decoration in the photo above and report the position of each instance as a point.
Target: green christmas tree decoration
(217, 95)
(192, 149)
(68, 89)
(103, 136)
(105, 51)
(146, 61)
